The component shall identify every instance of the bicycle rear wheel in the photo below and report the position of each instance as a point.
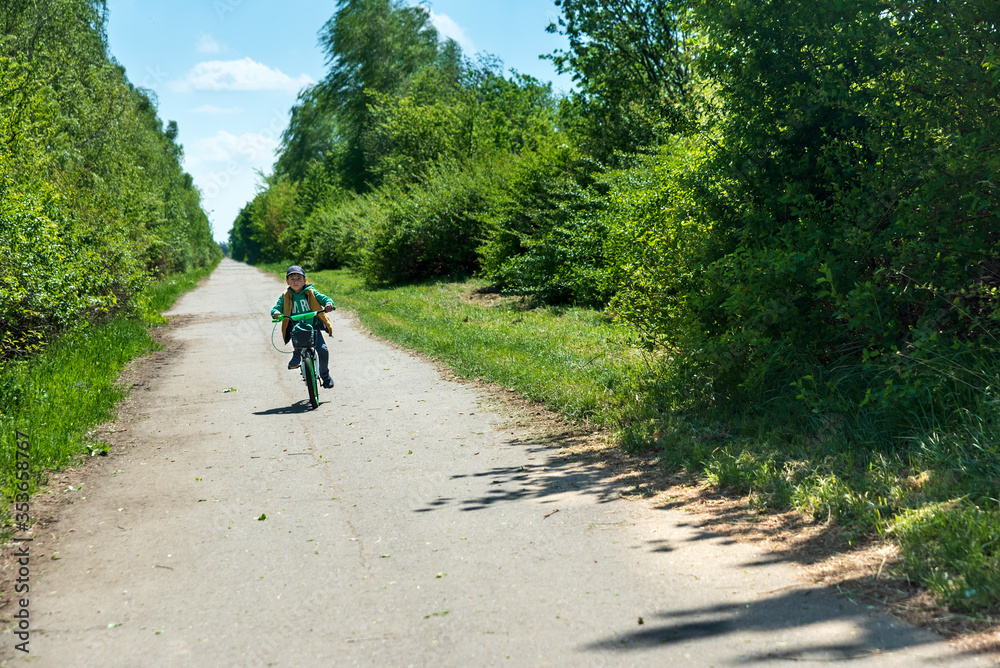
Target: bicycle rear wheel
(309, 373)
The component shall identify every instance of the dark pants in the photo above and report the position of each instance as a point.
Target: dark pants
(322, 351)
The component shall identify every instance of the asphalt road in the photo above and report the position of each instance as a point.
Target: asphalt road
(406, 525)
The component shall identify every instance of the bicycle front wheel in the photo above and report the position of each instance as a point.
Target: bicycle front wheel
(309, 373)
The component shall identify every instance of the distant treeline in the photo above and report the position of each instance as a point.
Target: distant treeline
(93, 201)
(788, 200)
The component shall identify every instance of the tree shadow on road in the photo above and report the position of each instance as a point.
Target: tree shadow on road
(579, 463)
(573, 462)
(555, 465)
(796, 613)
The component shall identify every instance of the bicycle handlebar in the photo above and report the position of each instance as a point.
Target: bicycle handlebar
(300, 316)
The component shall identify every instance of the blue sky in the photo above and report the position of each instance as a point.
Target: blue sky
(228, 71)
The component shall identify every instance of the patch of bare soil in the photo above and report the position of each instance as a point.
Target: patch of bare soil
(489, 296)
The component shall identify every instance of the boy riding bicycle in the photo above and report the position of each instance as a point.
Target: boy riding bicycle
(301, 297)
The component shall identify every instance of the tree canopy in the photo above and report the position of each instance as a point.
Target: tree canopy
(632, 61)
(372, 47)
(93, 200)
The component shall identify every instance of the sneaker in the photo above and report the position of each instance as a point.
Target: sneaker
(294, 363)
(327, 383)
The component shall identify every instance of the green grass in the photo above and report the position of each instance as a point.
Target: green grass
(934, 492)
(952, 548)
(57, 397)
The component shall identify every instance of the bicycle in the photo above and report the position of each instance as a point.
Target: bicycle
(303, 337)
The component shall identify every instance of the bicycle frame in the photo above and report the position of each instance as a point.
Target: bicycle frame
(309, 367)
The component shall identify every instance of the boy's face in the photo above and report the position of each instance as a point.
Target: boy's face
(296, 282)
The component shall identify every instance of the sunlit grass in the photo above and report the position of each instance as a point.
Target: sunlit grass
(571, 359)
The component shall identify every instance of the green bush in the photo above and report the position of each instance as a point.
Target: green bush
(564, 265)
(545, 238)
(858, 220)
(57, 272)
(429, 229)
(658, 244)
(338, 231)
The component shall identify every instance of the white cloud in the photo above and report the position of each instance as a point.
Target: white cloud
(225, 166)
(212, 109)
(447, 27)
(252, 150)
(239, 75)
(207, 44)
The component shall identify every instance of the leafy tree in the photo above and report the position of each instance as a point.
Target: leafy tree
(311, 134)
(385, 118)
(461, 114)
(244, 247)
(856, 165)
(275, 214)
(430, 229)
(92, 197)
(632, 62)
(844, 217)
(372, 47)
